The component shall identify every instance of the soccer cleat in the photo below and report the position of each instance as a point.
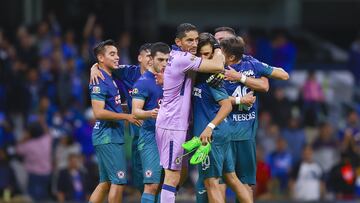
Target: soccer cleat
(201, 154)
(191, 144)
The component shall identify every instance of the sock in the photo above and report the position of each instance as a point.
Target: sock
(168, 194)
(147, 198)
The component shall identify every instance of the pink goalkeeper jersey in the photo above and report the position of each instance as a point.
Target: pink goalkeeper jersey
(175, 107)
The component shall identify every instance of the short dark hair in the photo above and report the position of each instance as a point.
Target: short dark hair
(226, 29)
(145, 47)
(35, 129)
(100, 47)
(159, 47)
(233, 46)
(204, 39)
(183, 28)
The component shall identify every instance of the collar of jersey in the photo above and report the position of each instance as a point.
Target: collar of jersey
(175, 47)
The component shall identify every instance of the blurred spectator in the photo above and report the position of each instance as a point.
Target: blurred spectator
(349, 137)
(35, 148)
(294, 135)
(280, 162)
(314, 101)
(69, 48)
(7, 138)
(8, 183)
(342, 179)
(354, 58)
(352, 127)
(64, 149)
(70, 81)
(280, 106)
(71, 184)
(44, 39)
(263, 173)
(124, 48)
(267, 138)
(283, 51)
(16, 88)
(25, 49)
(34, 88)
(325, 148)
(307, 178)
(82, 133)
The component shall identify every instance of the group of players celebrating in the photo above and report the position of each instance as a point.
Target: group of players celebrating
(199, 95)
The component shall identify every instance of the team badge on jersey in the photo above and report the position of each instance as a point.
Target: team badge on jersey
(96, 90)
(135, 91)
(121, 174)
(148, 173)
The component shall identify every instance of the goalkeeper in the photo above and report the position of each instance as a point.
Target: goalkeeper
(211, 107)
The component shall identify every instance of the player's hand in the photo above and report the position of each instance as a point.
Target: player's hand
(154, 113)
(95, 74)
(248, 99)
(205, 136)
(159, 78)
(132, 119)
(232, 75)
(218, 54)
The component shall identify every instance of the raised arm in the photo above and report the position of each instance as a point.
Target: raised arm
(257, 84)
(214, 65)
(279, 74)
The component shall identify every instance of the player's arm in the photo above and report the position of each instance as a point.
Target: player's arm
(248, 99)
(214, 65)
(225, 109)
(279, 74)
(258, 84)
(270, 71)
(96, 75)
(102, 114)
(137, 110)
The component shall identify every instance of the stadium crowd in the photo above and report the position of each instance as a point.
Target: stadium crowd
(46, 121)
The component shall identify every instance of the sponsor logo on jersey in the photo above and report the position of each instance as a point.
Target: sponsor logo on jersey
(244, 116)
(135, 91)
(121, 174)
(197, 92)
(148, 173)
(96, 90)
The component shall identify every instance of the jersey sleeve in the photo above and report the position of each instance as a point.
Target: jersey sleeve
(219, 93)
(187, 62)
(97, 92)
(140, 91)
(124, 71)
(263, 69)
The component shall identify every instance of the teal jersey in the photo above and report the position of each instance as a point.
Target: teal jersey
(244, 120)
(206, 106)
(146, 89)
(104, 131)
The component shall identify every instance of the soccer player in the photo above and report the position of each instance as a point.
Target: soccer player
(146, 96)
(211, 108)
(241, 79)
(108, 131)
(128, 75)
(250, 84)
(173, 118)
